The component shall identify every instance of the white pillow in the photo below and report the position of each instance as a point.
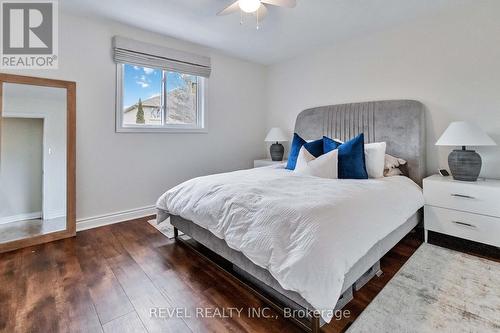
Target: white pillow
(374, 159)
(325, 166)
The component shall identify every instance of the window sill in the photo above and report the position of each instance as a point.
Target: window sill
(161, 130)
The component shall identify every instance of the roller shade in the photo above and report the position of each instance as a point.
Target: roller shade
(130, 51)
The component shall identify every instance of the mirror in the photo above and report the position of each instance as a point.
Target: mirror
(36, 161)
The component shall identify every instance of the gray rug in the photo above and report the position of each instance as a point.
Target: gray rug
(164, 227)
(437, 290)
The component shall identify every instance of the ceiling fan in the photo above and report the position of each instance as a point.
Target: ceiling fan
(256, 7)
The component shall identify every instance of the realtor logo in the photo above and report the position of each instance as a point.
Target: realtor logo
(29, 34)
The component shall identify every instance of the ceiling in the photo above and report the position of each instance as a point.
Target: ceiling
(285, 33)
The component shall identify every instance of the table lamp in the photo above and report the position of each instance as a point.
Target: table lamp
(464, 164)
(277, 150)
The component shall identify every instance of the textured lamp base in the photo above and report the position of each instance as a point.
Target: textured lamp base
(277, 150)
(464, 165)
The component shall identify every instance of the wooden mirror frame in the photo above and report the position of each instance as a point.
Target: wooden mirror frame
(70, 87)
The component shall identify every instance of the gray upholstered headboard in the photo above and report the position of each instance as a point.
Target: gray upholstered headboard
(400, 123)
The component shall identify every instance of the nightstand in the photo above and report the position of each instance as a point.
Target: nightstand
(266, 162)
(469, 210)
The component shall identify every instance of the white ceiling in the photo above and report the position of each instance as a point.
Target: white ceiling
(285, 33)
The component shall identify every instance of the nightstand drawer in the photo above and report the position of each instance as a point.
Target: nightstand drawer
(470, 197)
(479, 228)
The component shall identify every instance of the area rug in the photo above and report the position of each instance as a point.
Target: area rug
(437, 290)
(164, 227)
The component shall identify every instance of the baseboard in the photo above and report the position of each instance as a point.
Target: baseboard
(54, 214)
(106, 219)
(20, 217)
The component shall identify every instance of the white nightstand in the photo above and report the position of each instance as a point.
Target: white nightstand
(266, 162)
(469, 210)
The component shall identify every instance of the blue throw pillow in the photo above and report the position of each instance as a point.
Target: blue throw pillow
(314, 147)
(297, 143)
(329, 144)
(351, 160)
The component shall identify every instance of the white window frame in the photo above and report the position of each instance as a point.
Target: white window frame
(201, 111)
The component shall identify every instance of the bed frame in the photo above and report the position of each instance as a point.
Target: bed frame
(400, 123)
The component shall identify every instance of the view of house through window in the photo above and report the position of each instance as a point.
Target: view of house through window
(159, 98)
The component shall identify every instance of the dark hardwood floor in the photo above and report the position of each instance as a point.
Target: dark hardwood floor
(108, 279)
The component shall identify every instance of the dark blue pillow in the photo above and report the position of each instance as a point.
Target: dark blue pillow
(330, 144)
(297, 143)
(314, 147)
(351, 160)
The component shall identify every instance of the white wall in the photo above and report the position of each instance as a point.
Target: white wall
(20, 168)
(117, 172)
(449, 61)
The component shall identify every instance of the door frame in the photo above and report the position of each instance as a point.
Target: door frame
(70, 87)
(44, 145)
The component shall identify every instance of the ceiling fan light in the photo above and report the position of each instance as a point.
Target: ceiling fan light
(249, 6)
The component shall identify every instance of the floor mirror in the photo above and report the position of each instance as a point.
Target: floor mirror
(37, 160)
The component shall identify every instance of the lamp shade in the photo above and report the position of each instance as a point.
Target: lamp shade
(276, 134)
(462, 133)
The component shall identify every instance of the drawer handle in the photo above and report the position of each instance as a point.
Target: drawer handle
(463, 224)
(462, 196)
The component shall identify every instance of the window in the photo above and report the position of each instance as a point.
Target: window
(159, 100)
(159, 89)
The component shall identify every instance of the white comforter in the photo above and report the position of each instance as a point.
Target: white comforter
(306, 231)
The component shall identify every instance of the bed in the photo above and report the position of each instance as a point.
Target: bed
(301, 242)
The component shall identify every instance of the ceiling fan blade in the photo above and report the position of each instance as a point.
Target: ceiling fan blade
(232, 8)
(281, 3)
(261, 13)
